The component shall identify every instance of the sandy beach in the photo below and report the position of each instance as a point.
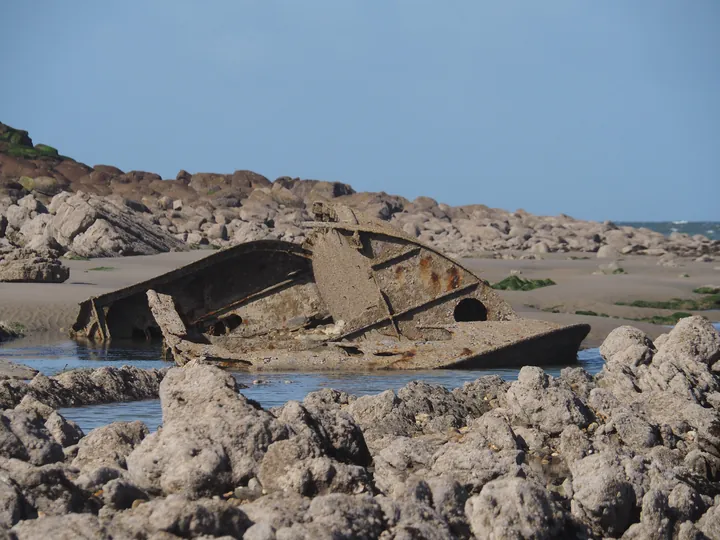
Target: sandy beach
(47, 310)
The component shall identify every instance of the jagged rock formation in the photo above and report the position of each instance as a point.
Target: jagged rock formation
(226, 209)
(631, 453)
(23, 265)
(83, 387)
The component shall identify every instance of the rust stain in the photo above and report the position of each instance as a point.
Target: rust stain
(453, 278)
(425, 262)
(465, 352)
(434, 278)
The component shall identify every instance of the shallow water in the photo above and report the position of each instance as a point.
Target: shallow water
(269, 389)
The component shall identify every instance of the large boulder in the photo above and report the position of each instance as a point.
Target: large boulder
(91, 226)
(212, 438)
(539, 400)
(29, 266)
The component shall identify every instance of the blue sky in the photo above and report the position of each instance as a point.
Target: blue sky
(600, 110)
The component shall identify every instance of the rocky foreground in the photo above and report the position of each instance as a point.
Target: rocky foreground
(52, 203)
(633, 452)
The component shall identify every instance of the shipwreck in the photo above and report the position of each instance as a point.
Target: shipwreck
(357, 295)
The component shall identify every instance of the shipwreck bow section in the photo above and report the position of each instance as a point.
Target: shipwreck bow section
(357, 295)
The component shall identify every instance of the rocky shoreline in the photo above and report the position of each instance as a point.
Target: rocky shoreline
(633, 452)
(53, 204)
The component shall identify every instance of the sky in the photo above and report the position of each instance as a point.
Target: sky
(599, 110)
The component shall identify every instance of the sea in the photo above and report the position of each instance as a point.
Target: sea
(711, 229)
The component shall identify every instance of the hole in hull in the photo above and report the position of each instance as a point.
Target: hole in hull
(470, 309)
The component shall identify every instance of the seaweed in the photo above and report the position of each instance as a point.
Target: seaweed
(708, 301)
(515, 283)
(707, 290)
(663, 319)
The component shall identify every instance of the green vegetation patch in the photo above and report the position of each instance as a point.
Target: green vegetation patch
(667, 320)
(707, 290)
(591, 313)
(101, 269)
(29, 152)
(19, 144)
(709, 301)
(14, 136)
(516, 283)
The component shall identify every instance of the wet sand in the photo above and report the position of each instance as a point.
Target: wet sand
(47, 310)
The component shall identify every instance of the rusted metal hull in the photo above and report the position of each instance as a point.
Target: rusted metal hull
(204, 291)
(359, 295)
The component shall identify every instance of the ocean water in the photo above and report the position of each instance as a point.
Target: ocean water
(711, 229)
(269, 389)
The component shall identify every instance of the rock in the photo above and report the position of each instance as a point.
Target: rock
(120, 494)
(709, 523)
(95, 227)
(260, 531)
(277, 510)
(473, 465)
(539, 400)
(69, 527)
(414, 517)
(602, 495)
(382, 415)
(607, 252)
(11, 370)
(633, 430)
(11, 504)
(212, 437)
(180, 517)
(627, 347)
(433, 407)
(26, 266)
(402, 458)
(514, 508)
(481, 395)
(574, 444)
(339, 435)
(338, 516)
(93, 386)
(23, 436)
(217, 232)
(109, 446)
(308, 475)
(46, 489)
(65, 432)
(693, 339)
